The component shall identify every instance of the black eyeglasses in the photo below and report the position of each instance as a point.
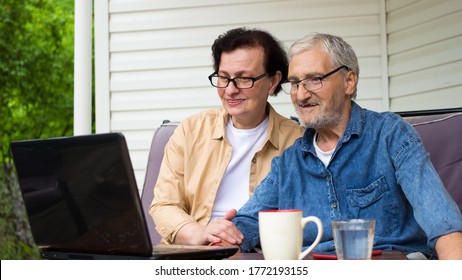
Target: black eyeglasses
(239, 82)
(310, 84)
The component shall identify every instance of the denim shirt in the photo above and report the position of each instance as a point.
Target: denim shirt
(379, 170)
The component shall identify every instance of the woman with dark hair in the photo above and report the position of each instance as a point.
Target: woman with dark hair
(216, 158)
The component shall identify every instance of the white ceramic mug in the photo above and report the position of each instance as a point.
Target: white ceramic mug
(281, 234)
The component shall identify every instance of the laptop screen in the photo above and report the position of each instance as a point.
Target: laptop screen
(80, 194)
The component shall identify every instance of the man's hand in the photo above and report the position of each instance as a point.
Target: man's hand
(219, 230)
(449, 246)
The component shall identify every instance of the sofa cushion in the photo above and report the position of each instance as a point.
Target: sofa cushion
(156, 154)
(442, 138)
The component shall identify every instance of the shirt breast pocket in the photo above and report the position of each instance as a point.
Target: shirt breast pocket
(374, 202)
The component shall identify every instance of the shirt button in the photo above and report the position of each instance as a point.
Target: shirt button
(334, 205)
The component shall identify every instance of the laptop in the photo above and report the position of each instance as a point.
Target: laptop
(82, 201)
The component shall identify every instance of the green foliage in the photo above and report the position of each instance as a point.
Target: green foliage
(36, 97)
(36, 70)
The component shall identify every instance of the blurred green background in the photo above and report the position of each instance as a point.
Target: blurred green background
(36, 98)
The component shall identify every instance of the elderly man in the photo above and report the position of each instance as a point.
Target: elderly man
(352, 163)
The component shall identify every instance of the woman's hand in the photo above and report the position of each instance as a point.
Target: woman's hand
(219, 230)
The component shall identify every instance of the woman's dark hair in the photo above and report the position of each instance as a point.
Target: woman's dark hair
(275, 58)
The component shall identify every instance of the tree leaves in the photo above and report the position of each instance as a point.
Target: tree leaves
(36, 70)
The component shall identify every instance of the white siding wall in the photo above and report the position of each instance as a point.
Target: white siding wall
(425, 54)
(153, 57)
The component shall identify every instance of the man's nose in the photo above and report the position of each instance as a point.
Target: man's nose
(302, 92)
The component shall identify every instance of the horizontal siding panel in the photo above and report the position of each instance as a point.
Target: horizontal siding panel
(249, 13)
(421, 12)
(350, 28)
(371, 104)
(160, 59)
(428, 56)
(139, 158)
(434, 99)
(369, 88)
(369, 67)
(429, 32)
(164, 39)
(123, 6)
(393, 5)
(365, 46)
(168, 98)
(444, 76)
(201, 56)
(140, 140)
(204, 36)
(142, 120)
(164, 79)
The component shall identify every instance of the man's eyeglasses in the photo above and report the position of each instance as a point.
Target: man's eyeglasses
(239, 82)
(310, 84)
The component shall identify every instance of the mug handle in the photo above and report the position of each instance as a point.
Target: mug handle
(318, 223)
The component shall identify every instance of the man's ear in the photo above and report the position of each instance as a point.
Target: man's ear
(351, 81)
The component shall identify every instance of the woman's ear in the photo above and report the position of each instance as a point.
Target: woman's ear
(275, 80)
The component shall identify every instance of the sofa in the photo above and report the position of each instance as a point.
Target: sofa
(440, 130)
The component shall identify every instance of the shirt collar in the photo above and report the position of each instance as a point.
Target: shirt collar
(273, 132)
(220, 126)
(356, 122)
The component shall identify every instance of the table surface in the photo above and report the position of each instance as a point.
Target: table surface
(386, 255)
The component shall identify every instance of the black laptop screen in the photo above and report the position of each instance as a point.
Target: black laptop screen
(80, 194)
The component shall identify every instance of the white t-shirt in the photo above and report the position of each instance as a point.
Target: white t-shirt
(233, 191)
(323, 156)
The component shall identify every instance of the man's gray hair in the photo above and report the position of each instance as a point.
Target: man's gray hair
(340, 51)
